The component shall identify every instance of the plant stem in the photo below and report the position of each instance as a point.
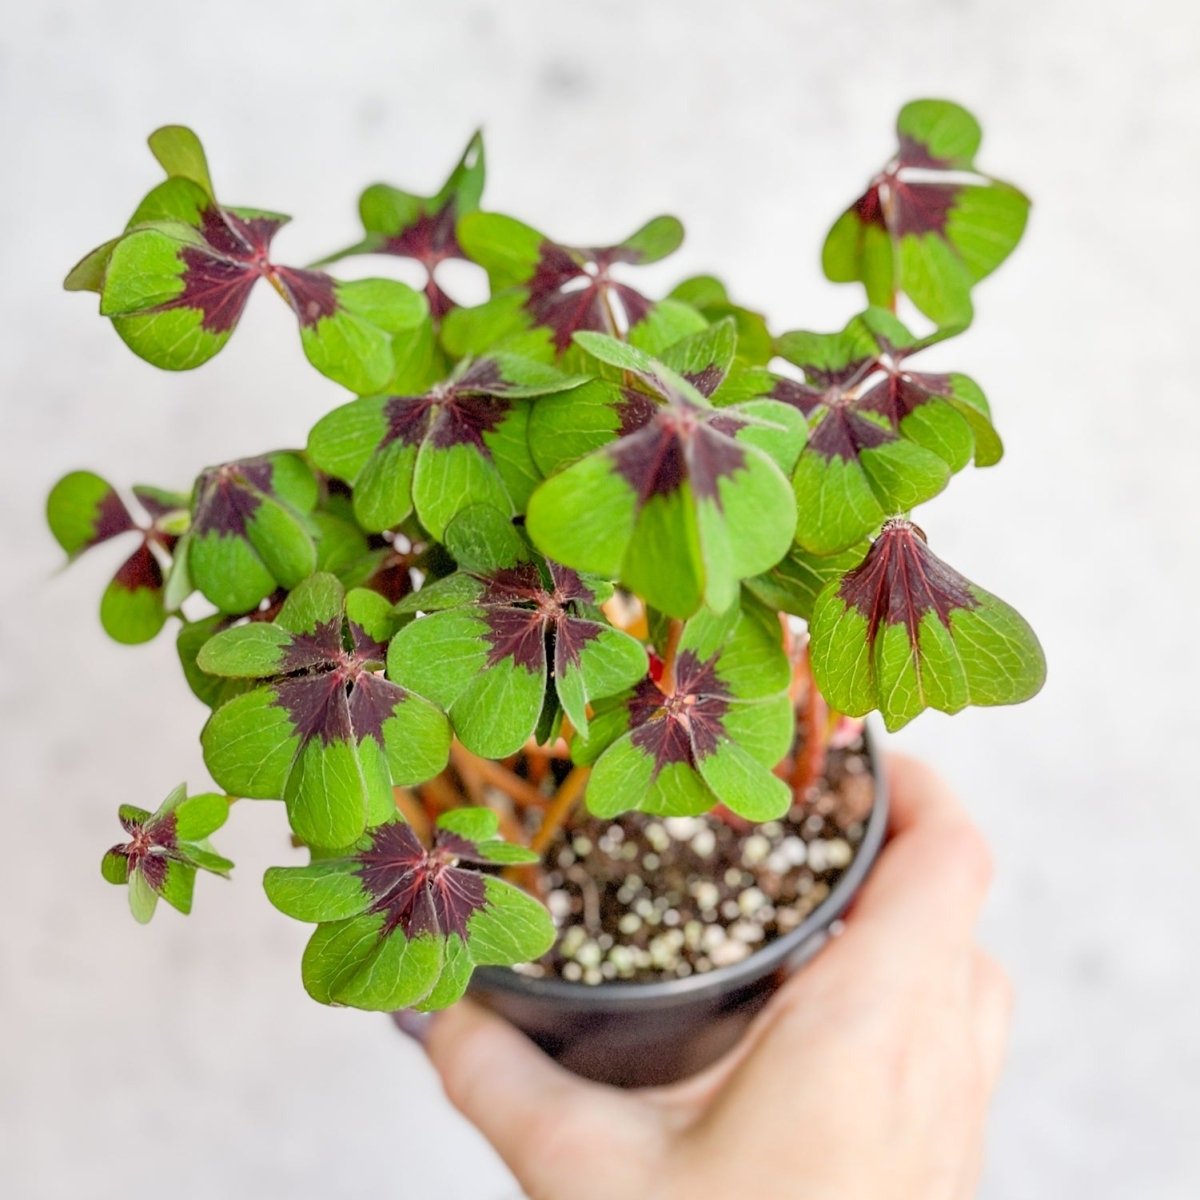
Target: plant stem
(813, 719)
(565, 799)
(670, 651)
(610, 317)
(511, 785)
(413, 811)
(464, 764)
(441, 793)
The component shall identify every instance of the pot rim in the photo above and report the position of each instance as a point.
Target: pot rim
(617, 995)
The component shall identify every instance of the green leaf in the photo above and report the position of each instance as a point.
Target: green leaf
(83, 510)
(792, 585)
(884, 437)
(400, 223)
(114, 867)
(354, 344)
(743, 784)
(930, 224)
(199, 816)
(142, 898)
(708, 295)
(684, 503)
(181, 155)
(325, 733)
(249, 745)
(131, 609)
(839, 500)
(543, 292)
(165, 850)
(464, 443)
(725, 720)
(401, 924)
(512, 927)
(87, 275)
(250, 651)
(494, 706)
(178, 885)
(249, 530)
(322, 891)
(903, 632)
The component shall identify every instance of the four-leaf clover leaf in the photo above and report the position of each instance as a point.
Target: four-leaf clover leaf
(903, 632)
(930, 224)
(176, 282)
(324, 729)
(712, 736)
(84, 510)
(685, 500)
(463, 442)
(403, 925)
(422, 228)
(165, 850)
(544, 292)
(882, 437)
(507, 635)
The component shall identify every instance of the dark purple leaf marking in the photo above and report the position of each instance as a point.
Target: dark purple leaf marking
(111, 519)
(141, 570)
(901, 580)
(518, 634)
(151, 847)
(218, 287)
(834, 400)
(900, 393)
(219, 276)
(914, 153)
(336, 693)
(679, 442)
(237, 237)
(153, 503)
(310, 293)
(685, 725)
(706, 381)
(845, 434)
(417, 890)
(512, 585)
(903, 199)
(568, 585)
(455, 413)
(571, 290)
(430, 239)
(528, 623)
(227, 496)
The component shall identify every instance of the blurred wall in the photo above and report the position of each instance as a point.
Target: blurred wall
(129, 1055)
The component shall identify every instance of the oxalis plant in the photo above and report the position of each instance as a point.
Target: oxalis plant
(573, 544)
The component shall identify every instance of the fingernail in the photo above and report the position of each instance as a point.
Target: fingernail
(413, 1024)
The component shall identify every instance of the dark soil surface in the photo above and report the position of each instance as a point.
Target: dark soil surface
(647, 898)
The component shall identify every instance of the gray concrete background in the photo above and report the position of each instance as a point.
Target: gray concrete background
(187, 1052)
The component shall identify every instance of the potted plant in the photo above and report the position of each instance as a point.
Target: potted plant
(555, 639)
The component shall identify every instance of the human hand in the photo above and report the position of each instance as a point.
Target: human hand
(867, 1076)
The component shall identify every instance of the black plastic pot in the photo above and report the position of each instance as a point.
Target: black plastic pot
(643, 1034)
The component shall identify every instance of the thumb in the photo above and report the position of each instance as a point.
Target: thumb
(539, 1118)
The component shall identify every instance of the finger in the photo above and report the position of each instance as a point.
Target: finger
(918, 795)
(931, 879)
(534, 1113)
(990, 1003)
(991, 1006)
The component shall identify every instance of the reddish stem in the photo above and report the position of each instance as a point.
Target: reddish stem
(812, 720)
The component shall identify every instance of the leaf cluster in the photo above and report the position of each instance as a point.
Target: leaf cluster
(571, 511)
